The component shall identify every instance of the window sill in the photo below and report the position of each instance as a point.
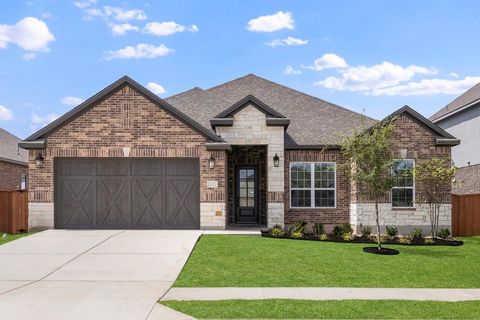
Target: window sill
(404, 209)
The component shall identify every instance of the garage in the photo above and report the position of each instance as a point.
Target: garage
(119, 193)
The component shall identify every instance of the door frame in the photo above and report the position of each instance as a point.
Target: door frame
(237, 194)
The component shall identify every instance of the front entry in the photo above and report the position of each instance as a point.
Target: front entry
(246, 199)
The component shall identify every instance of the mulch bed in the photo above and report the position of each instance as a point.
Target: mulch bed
(363, 239)
(383, 251)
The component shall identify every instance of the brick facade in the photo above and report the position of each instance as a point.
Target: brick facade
(328, 216)
(127, 124)
(10, 175)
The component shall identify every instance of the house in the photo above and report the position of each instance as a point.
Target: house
(461, 118)
(13, 162)
(249, 152)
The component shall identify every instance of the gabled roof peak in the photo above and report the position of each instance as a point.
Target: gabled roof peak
(247, 100)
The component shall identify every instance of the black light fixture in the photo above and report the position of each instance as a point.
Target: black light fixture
(39, 160)
(276, 160)
(211, 162)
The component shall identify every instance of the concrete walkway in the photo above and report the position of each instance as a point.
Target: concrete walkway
(322, 294)
(92, 274)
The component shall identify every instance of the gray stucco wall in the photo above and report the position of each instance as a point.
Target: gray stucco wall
(465, 126)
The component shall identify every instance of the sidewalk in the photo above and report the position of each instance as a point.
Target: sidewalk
(322, 294)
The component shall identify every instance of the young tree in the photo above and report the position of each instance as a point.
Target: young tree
(435, 178)
(369, 158)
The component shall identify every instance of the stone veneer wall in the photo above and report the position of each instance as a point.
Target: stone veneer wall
(11, 174)
(250, 128)
(126, 124)
(327, 216)
(419, 143)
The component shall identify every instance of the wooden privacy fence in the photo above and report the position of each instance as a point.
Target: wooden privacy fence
(465, 214)
(13, 211)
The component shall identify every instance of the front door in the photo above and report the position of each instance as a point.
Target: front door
(246, 196)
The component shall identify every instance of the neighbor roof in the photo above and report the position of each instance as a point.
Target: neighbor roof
(313, 121)
(9, 150)
(469, 98)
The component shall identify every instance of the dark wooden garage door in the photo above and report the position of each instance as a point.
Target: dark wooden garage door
(127, 193)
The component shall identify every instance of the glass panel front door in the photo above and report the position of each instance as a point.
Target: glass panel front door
(246, 195)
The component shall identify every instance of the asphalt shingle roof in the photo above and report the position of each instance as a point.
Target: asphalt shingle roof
(471, 95)
(9, 150)
(313, 121)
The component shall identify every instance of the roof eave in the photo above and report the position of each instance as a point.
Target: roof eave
(36, 144)
(454, 112)
(447, 142)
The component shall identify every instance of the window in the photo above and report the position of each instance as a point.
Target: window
(312, 185)
(403, 183)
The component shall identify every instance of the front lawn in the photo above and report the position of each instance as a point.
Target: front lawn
(329, 309)
(11, 237)
(253, 261)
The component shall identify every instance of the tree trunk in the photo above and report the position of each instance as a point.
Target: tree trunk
(379, 243)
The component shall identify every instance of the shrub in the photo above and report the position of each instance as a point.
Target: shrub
(347, 237)
(429, 241)
(277, 231)
(416, 234)
(404, 240)
(340, 230)
(318, 229)
(391, 231)
(444, 233)
(297, 228)
(366, 231)
(347, 228)
(323, 237)
(296, 234)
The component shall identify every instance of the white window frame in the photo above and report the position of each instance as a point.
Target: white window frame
(312, 184)
(412, 187)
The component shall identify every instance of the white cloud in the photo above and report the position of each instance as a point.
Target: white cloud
(167, 28)
(29, 56)
(363, 78)
(5, 113)
(278, 21)
(41, 121)
(121, 29)
(289, 41)
(72, 101)
(328, 61)
(84, 4)
(290, 70)
(141, 50)
(454, 74)
(429, 87)
(30, 34)
(121, 14)
(156, 88)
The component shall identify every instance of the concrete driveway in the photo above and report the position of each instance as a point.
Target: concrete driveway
(91, 274)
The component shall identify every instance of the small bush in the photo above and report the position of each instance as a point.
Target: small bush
(277, 231)
(337, 231)
(366, 231)
(318, 229)
(297, 227)
(417, 234)
(444, 233)
(296, 234)
(391, 231)
(404, 240)
(340, 230)
(347, 228)
(428, 241)
(347, 237)
(323, 237)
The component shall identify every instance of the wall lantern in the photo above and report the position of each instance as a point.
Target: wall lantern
(211, 162)
(276, 160)
(39, 160)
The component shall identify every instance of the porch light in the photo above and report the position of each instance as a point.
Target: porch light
(276, 160)
(39, 160)
(211, 162)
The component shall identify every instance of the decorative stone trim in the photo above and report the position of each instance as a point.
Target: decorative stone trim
(275, 197)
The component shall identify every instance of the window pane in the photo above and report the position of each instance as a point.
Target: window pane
(324, 198)
(243, 202)
(324, 175)
(402, 172)
(402, 197)
(300, 175)
(301, 198)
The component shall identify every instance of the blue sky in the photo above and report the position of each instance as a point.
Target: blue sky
(372, 55)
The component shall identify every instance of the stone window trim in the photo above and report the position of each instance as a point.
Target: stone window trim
(312, 185)
(412, 207)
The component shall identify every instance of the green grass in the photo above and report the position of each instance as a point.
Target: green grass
(253, 261)
(346, 309)
(11, 237)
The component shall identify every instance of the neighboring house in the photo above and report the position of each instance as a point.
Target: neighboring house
(13, 162)
(249, 152)
(461, 118)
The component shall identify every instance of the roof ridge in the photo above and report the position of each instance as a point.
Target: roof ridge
(298, 91)
(185, 92)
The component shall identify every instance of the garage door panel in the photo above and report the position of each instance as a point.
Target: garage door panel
(113, 202)
(127, 193)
